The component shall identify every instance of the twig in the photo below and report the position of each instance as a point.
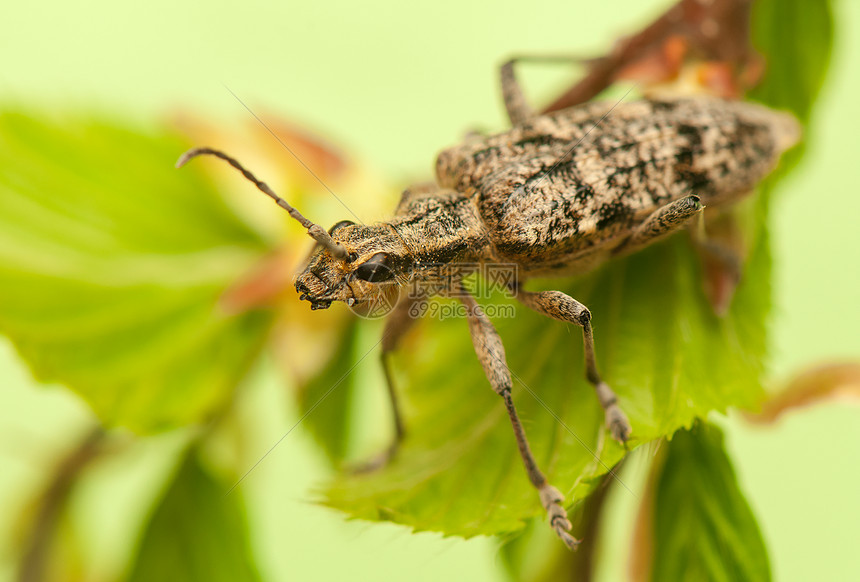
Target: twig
(37, 544)
(717, 30)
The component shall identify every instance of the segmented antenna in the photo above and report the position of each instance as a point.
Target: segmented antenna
(316, 232)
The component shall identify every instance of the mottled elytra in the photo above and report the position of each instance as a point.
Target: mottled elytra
(554, 195)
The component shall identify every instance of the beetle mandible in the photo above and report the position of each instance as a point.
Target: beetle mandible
(555, 195)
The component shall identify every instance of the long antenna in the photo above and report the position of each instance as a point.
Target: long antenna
(316, 232)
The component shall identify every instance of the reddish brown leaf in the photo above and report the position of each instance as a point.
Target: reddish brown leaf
(834, 381)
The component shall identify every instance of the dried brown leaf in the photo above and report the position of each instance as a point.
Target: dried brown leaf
(834, 381)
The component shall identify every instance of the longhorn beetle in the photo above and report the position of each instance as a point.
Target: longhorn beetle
(555, 195)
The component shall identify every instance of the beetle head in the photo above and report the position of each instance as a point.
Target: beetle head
(376, 266)
(363, 266)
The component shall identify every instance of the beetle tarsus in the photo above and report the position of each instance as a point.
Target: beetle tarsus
(551, 499)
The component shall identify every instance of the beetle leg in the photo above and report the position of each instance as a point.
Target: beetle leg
(491, 353)
(661, 222)
(398, 323)
(512, 94)
(516, 105)
(721, 250)
(563, 307)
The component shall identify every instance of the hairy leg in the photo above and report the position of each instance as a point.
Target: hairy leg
(399, 321)
(721, 249)
(662, 222)
(559, 306)
(491, 353)
(516, 105)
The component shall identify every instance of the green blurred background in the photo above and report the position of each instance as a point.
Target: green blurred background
(393, 83)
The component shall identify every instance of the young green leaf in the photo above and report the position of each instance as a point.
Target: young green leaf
(669, 358)
(326, 397)
(795, 38)
(111, 267)
(196, 532)
(698, 525)
(658, 343)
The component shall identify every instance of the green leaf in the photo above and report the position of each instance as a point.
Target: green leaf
(669, 358)
(658, 344)
(701, 526)
(111, 267)
(327, 397)
(196, 532)
(795, 38)
(534, 555)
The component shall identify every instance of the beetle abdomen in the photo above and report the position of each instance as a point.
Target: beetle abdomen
(578, 179)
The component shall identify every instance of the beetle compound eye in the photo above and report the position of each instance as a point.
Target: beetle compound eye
(340, 224)
(375, 269)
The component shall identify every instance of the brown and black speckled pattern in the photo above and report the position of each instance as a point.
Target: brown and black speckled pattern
(440, 227)
(558, 190)
(556, 194)
(560, 193)
(431, 228)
